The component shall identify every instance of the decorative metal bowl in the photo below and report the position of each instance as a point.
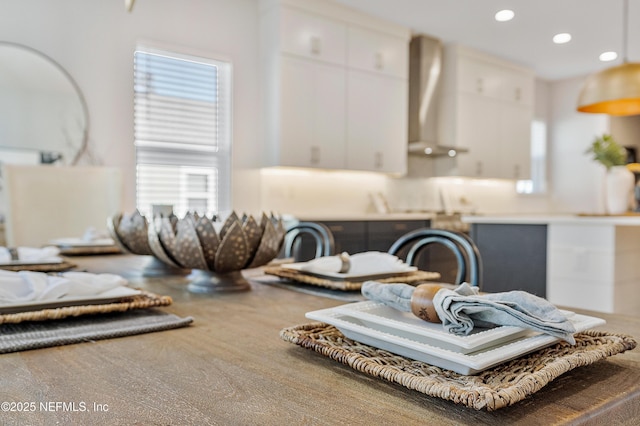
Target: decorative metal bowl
(215, 257)
(130, 233)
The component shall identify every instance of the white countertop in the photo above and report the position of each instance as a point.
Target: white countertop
(523, 219)
(366, 217)
(544, 219)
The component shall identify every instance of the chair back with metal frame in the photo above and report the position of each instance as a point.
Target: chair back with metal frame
(464, 249)
(320, 233)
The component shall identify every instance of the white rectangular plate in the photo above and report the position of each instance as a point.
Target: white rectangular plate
(468, 364)
(31, 262)
(108, 296)
(379, 317)
(337, 276)
(79, 242)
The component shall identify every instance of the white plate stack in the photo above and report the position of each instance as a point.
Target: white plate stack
(380, 326)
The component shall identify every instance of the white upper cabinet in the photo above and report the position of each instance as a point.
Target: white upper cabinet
(377, 52)
(335, 87)
(313, 115)
(487, 107)
(519, 87)
(494, 80)
(478, 77)
(312, 36)
(377, 139)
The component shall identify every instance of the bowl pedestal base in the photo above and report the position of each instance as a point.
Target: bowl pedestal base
(202, 281)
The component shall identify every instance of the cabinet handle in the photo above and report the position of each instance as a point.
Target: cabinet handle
(399, 226)
(378, 61)
(518, 94)
(479, 168)
(516, 171)
(480, 85)
(378, 160)
(315, 155)
(316, 45)
(336, 228)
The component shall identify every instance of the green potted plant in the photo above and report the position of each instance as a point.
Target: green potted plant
(619, 181)
(608, 152)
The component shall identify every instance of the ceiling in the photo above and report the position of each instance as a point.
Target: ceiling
(596, 26)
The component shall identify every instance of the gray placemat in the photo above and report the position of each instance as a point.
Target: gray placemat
(42, 334)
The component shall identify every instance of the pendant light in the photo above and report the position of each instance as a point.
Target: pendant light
(128, 4)
(615, 90)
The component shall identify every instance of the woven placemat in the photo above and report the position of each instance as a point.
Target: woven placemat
(36, 335)
(139, 301)
(42, 267)
(301, 277)
(491, 389)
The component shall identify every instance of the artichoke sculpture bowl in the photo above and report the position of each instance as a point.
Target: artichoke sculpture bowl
(215, 257)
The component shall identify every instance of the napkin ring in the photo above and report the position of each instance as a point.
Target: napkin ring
(422, 302)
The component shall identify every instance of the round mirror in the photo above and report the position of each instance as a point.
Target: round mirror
(41, 107)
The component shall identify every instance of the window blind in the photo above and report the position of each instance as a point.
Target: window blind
(182, 132)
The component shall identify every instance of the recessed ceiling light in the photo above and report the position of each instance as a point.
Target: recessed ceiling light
(608, 56)
(562, 38)
(504, 15)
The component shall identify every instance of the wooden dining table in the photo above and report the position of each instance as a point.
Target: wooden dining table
(230, 367)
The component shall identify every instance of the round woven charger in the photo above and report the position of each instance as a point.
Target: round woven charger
(42, 267)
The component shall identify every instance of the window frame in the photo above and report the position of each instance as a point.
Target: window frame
(222, 164)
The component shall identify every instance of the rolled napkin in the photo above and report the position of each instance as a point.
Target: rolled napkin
(366, 263)
(90, 238)
(31, 254)
(461, 309)
(92, 235)
(27, 286)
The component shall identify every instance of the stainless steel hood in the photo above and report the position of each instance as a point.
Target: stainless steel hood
(425, 68)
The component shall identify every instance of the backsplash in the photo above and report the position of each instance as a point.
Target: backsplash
(303, 192)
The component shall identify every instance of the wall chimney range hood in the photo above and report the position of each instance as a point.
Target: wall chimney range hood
(425, 68)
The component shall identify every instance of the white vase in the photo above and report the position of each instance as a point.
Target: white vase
(619, 183)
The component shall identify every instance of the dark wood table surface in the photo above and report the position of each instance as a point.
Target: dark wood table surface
(231, 368)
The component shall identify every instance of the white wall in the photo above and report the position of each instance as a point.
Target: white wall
(575, 178)
(94, 41)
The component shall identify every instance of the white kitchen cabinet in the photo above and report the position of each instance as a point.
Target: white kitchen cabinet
(335, 87)
(518, 87)
(515, 142)
(312, 36)
(486, 107)
(377, 127)
(477, 77)
(592, 264)
(377, 52)
(478, 128)
(313, 118)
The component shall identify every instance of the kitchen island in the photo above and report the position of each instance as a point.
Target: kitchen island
(590, 261)
(231, 367)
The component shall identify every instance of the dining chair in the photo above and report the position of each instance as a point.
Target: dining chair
(45, 202)
(320, 234)
(464, 249)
